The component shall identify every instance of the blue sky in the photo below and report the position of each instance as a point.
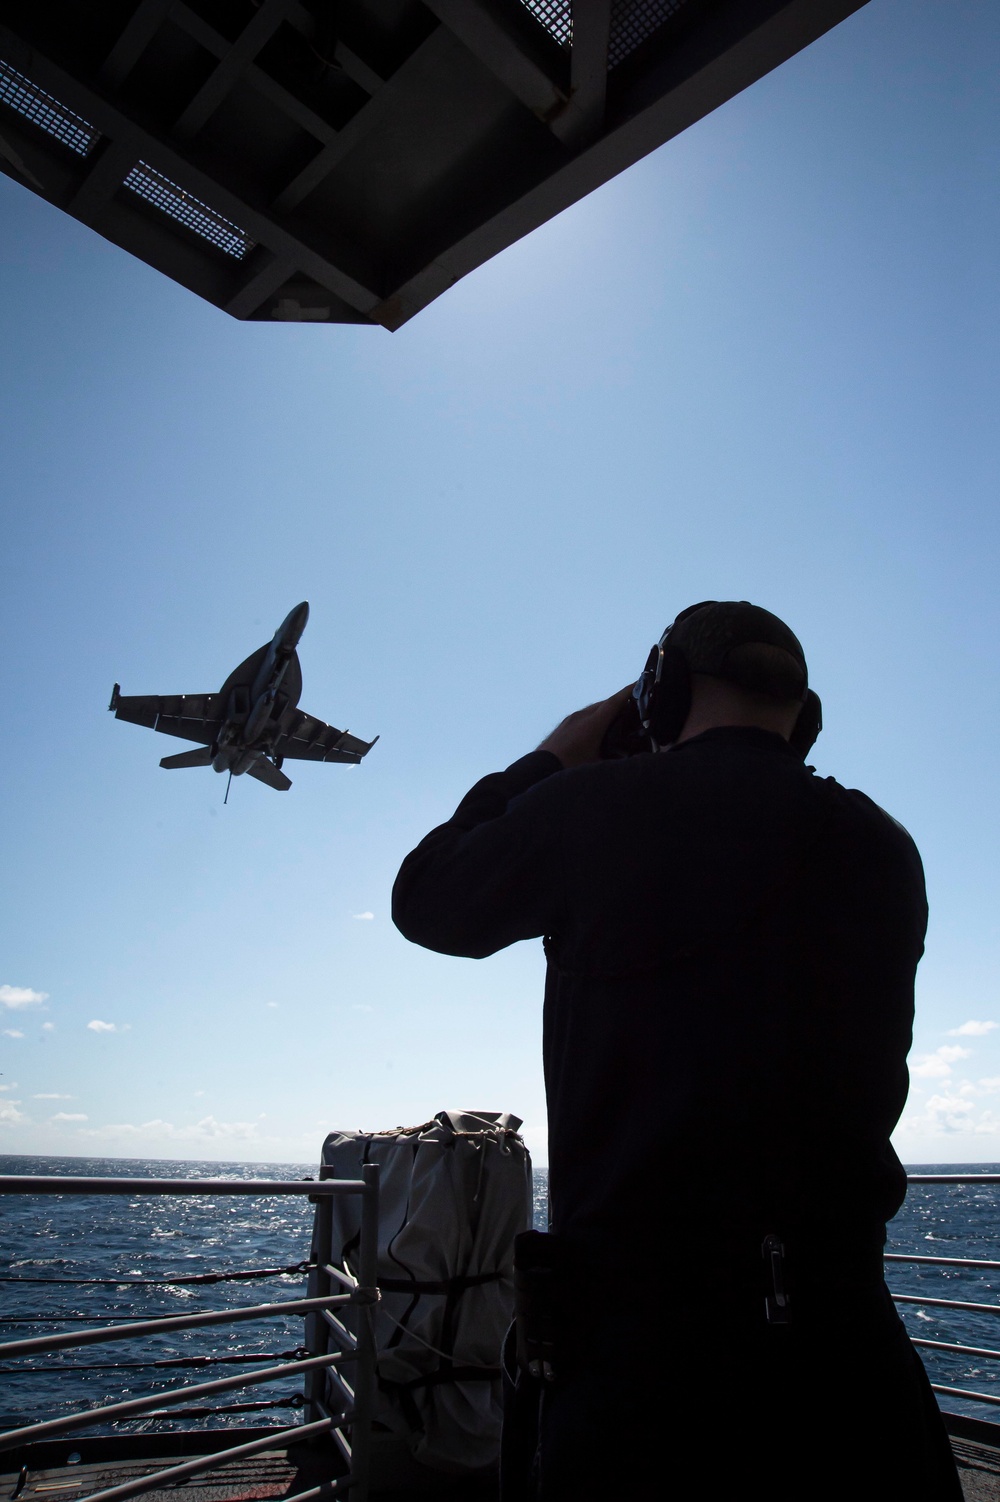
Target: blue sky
(760, 364)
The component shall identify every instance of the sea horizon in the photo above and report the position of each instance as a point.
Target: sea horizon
(69, 1239)
(925, 1166)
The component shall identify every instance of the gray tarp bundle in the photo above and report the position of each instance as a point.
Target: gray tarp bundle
(453, 1194)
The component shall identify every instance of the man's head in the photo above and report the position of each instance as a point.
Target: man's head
(727, 662)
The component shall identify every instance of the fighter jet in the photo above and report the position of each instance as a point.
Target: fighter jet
(252, 723)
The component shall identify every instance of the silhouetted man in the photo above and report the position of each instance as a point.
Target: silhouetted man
(731, 946)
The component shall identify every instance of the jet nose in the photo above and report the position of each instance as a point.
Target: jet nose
(293, 625)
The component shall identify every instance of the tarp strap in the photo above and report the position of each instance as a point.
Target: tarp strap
(440, 1285)
(404, 1390)
(452, 1374)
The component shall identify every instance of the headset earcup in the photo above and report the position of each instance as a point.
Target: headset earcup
(671, 698)
(807, 726)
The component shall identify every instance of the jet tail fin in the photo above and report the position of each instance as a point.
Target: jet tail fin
(200, 757)
(266, 771)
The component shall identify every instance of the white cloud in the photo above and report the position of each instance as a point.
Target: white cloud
(972, 1029)
(943, 1114)
(48, 1027)
(363, 917)
(68, 1116)
(272, 1003)
(9, 1114)
(12, 1032)
(199, 1092)
(954, 1110)
(206, 1130)
(52, 1095)
(21, 996)
(97, 1026)
(8, 1087)
(937, 1065)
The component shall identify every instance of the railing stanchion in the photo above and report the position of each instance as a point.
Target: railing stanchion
(317, 1331)
(364, 1390)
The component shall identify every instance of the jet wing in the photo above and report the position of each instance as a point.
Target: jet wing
(194, 717)
(307, 739)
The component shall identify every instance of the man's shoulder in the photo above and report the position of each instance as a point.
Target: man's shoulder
(869, 821)
(861, 805)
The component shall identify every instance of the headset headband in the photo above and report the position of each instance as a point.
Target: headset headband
(663, 692)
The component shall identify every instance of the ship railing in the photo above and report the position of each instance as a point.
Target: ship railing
(980, 1353)
(337, 1408)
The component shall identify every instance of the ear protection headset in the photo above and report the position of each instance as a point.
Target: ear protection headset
(663, 693)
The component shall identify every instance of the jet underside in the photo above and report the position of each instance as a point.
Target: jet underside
(253, 723)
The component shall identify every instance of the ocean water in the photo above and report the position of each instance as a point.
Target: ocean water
(50, 1246)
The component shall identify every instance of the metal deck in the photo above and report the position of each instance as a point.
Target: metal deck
(284, 1474)
(299, 160)
(42, 1475)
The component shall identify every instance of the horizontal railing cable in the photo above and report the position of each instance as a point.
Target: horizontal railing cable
(953, 1178)
(981, 1352)
(948, 1392)
(295, 1401)
(256, 1188)
(76, 1319)
(339, 1274)
(57, 1368)
(915, 1298)
(171, 1322)
(941, 1261)
(235, 1276)
(111, 1412)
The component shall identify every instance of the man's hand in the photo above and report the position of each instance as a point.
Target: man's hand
(578, 739)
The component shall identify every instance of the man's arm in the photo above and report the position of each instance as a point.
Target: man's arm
(488, 876)
(492, 874)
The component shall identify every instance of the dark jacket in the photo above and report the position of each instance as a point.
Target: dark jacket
(731, 948)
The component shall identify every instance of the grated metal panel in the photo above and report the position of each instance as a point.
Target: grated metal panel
(634, 22)
(44, 110)
(556, 16)
(171, 199)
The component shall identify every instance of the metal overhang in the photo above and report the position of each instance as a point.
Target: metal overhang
(299, 161)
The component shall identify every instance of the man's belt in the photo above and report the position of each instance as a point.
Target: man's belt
(773, 1274)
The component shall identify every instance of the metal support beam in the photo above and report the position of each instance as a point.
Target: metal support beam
(356, 128)
(223, 78)
(10, 154)
(134, 40)
(260, 284)
(479, 28)
(355, 67)
(589, 69)
(213, 41)
(112, 163)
